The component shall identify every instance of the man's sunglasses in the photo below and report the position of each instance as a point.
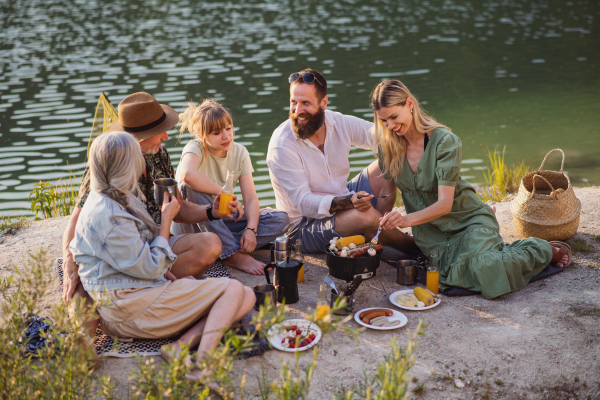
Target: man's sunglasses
(307, 77)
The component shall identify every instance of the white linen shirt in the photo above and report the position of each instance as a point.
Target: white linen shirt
(304, 179)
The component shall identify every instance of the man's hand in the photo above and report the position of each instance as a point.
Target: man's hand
(233, 207)
(362, 201)
(248, 241)
(392, 220)
(70, 278)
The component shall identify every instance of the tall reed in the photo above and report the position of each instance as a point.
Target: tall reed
(53, 199)
(500, 179)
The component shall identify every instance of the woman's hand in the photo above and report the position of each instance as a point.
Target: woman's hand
(170, 208)
(392, 220)
(70, 279)
(362, 201)
(248, 241)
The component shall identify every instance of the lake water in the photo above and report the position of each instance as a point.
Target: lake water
(521, 74)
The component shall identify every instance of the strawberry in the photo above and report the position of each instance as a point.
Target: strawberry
(312, 337)
(298, 332)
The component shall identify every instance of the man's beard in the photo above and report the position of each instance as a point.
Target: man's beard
(314, 123)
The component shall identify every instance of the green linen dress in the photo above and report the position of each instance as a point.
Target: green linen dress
(471, 253)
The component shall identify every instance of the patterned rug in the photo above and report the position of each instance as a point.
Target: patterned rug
(107, 346)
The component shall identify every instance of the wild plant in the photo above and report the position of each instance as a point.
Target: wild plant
(53, 200)
(500, 179)
(390, 382)
(60, 370)
(9, 225)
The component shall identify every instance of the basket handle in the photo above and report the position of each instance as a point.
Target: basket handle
(561, 165)
(549, 184)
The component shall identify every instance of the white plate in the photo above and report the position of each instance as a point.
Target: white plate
(275, 338)
(395, 302)
(396, 316)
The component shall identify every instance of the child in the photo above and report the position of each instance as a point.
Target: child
(202, 173)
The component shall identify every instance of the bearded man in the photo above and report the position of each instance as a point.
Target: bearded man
(309, 168)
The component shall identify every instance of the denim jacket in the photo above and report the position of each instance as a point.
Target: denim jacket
(113, 251)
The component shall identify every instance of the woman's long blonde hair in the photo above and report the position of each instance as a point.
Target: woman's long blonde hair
(116, 162)
(200, 120)
(390, 93)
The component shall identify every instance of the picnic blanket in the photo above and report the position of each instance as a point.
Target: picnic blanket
(107, 346)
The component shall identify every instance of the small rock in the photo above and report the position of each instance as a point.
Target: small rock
(459, 384)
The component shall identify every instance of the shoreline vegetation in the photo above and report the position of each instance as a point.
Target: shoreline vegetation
(27, 374)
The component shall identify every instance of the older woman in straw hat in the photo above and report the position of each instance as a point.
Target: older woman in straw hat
(124, 257)
(423, 158)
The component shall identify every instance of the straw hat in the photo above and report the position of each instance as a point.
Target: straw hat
(142, 116)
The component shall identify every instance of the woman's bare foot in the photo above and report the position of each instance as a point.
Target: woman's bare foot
(560, 258)
(197, 376)
(246, 263)
(94, 361)
(172, 350)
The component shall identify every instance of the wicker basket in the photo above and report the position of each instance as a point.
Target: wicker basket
(542, 210)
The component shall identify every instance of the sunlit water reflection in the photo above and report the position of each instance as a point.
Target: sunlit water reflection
(498, 73)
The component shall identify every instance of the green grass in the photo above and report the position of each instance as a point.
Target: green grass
(580, 246)
(419, 389)
(9, 225)
(53, 200)
(500, 179)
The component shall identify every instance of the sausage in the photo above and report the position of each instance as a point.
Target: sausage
(363, 250)
(388, 313)
(373, 314)
(379, 321)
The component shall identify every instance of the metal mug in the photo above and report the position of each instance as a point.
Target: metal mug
(408, 272)
(264, 292)
(344, 310)
(162, 185)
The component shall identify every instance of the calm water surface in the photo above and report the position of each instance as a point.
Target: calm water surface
(520, 74)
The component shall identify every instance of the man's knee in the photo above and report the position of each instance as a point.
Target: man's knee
(209, 245)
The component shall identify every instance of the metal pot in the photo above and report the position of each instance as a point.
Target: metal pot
(347, 269)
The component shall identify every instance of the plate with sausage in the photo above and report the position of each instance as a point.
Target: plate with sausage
(294, 335)
(379, 318)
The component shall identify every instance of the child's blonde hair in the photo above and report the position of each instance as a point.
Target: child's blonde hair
(201, 120)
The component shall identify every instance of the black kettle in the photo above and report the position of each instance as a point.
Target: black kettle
(285, 279)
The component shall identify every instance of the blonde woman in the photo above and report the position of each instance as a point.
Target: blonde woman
(423, 158)
(123, 256)
(203, 168)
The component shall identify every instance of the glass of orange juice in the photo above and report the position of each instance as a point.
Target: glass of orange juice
(323, 304)
(226, 194)
(433, 274)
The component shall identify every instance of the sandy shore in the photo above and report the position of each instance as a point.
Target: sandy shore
(542, 342)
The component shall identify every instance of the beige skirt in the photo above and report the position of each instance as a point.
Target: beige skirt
(159, 312)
